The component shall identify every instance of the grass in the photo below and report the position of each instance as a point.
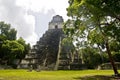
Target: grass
(50, 75)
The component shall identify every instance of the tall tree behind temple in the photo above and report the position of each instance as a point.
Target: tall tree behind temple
(98, 21)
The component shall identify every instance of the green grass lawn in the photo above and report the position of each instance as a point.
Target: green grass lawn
(50, 75)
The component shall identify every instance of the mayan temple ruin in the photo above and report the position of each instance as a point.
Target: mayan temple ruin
(48, 53)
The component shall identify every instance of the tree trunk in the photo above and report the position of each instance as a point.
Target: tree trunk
(111, 60)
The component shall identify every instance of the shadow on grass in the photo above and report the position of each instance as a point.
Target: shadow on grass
(97, 77)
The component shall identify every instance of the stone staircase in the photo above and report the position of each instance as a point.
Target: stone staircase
(47, 47)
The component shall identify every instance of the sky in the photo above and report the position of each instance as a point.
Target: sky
(31, 17)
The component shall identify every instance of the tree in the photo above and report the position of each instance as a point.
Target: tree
(114, 47)
(10, 50)
(98, 21)
(12, 34)
(26, 47)
(67, 44)
(6, 32)
(91, 57)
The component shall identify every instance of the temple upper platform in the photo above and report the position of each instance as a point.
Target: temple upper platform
(56, 22)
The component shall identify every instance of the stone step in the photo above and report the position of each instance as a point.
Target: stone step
(63, 67)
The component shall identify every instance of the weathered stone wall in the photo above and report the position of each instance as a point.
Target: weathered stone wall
(56, 22)
(55, 25)
(48, 46)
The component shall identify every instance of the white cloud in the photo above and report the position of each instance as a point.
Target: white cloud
(41, 20)
(19, 18)
(30, 17)
(38, 5)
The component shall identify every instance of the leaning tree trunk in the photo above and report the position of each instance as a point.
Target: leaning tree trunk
(109, 53)
(111, 59)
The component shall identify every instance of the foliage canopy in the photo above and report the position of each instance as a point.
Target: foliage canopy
(95, 22)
